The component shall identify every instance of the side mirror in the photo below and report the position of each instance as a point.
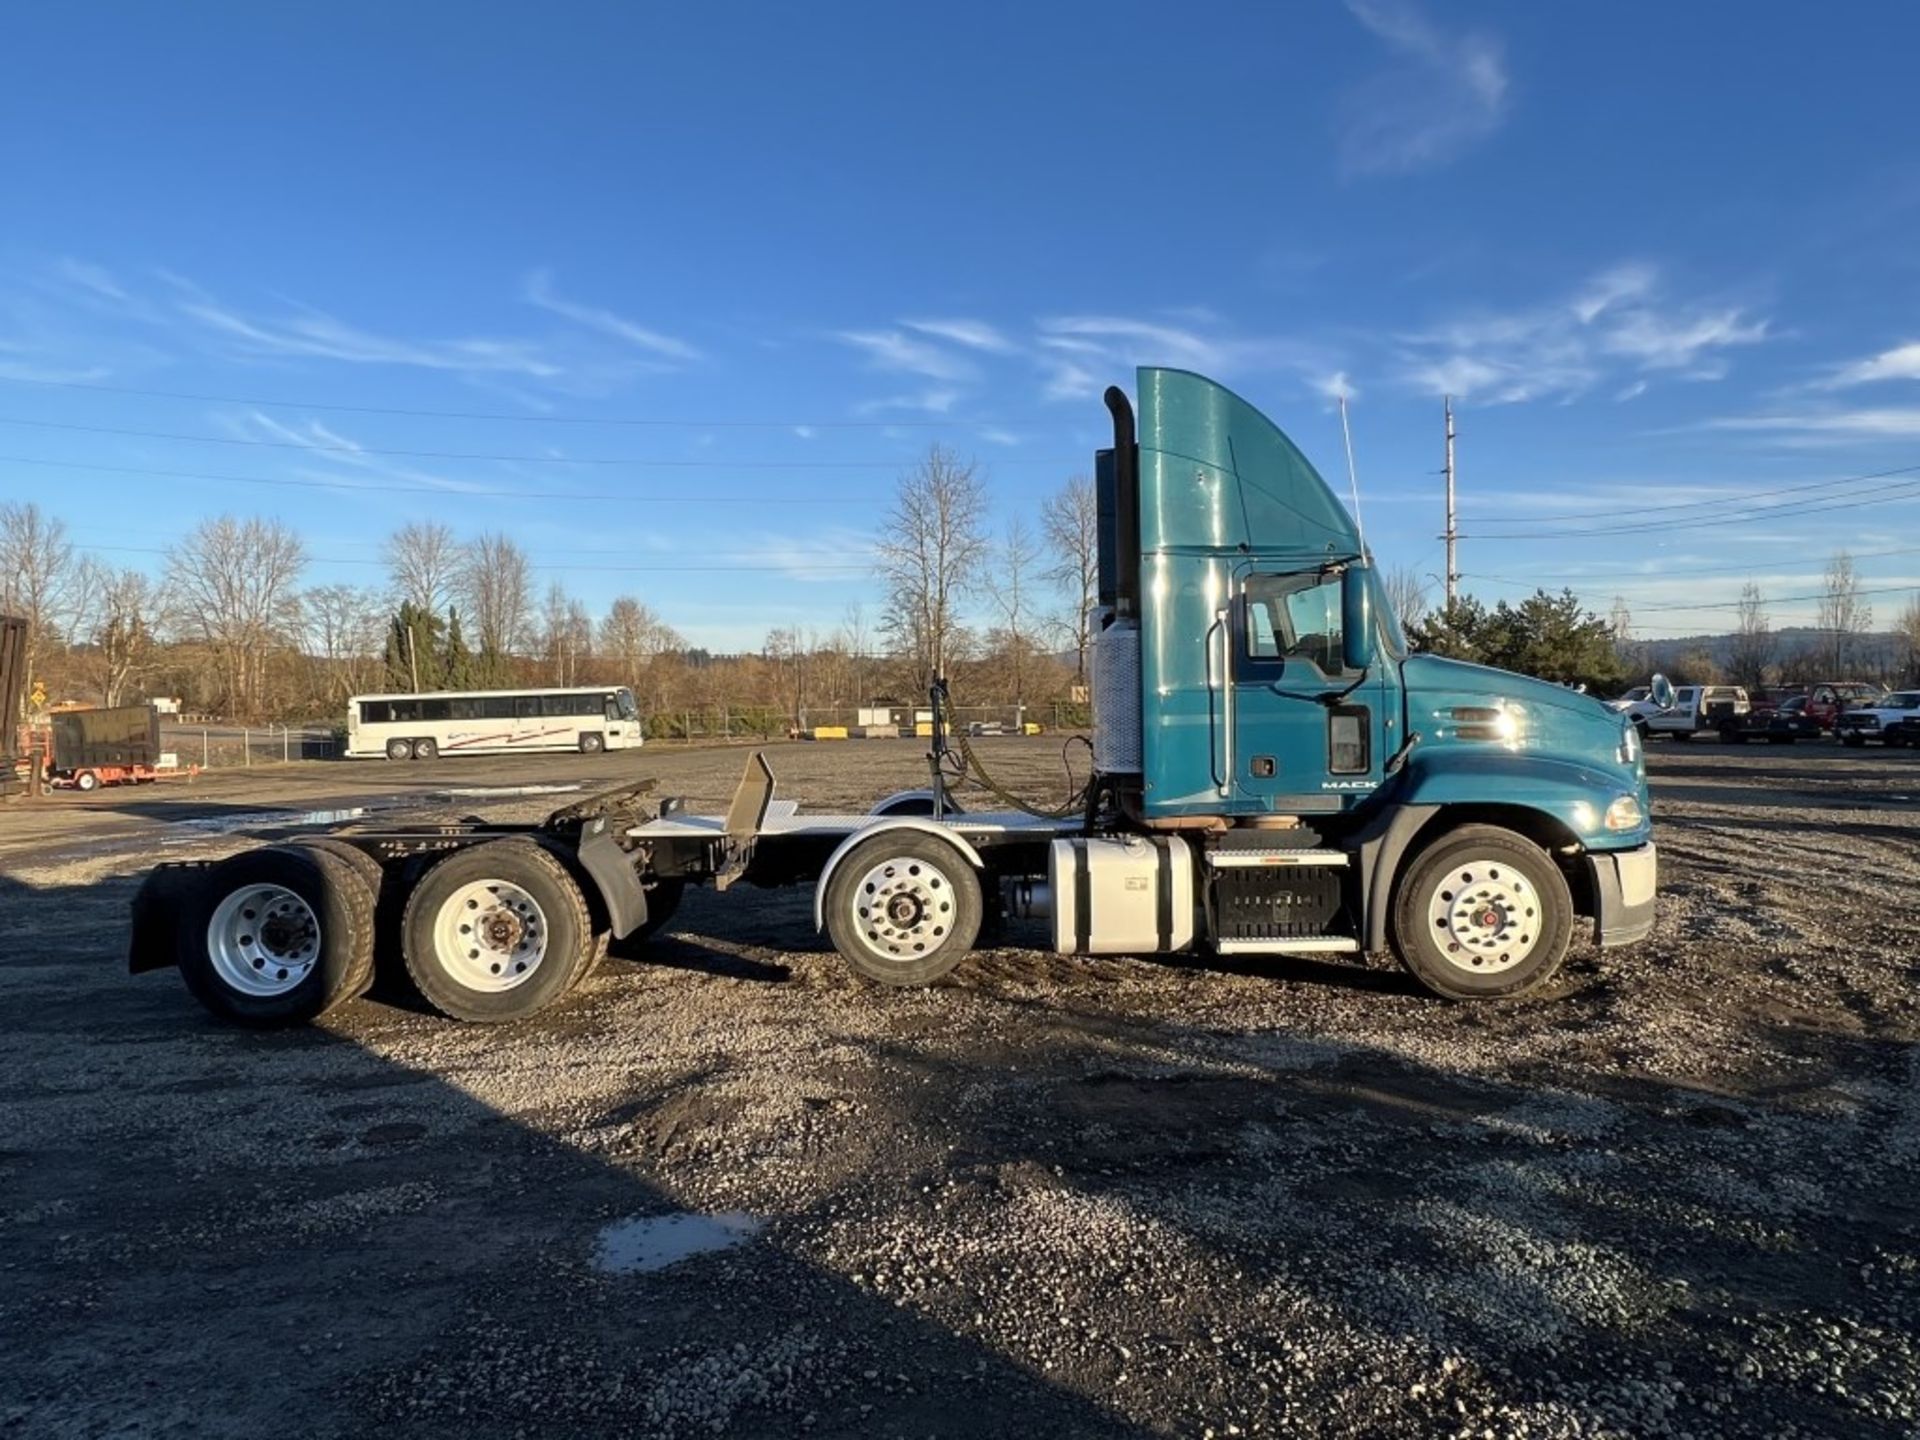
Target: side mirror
(1660, 691)
(1356, 617)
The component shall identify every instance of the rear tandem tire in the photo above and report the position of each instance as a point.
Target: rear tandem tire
(904, 907)
(496, 932)
(1475, 871)
(399, 749)
(426, 750)
(277, 936)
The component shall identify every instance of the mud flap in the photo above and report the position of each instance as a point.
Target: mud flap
(157, 907)
(611, 870)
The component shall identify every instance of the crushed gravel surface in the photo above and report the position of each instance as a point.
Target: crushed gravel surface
(1106, 1197)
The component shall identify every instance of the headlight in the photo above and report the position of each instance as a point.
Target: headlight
(1625, 814)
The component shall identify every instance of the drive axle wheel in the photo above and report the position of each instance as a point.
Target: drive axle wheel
(904, 907)
(496, 932)
(277, 936)
(1482, 914)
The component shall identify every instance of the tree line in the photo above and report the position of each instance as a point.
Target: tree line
(230, 627)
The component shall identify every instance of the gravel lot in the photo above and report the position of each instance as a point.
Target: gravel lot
(1103, 1197)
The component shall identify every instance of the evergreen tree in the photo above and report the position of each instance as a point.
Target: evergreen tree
(414, 659)
(459, 660)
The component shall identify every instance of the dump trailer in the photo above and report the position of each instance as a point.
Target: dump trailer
(1273, 774)
(118, 745)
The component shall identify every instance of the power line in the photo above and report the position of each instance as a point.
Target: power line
(528, 419)
(1754, 516)
(445, 492)
(895, 465)
(1680, 572)
(1741, 498)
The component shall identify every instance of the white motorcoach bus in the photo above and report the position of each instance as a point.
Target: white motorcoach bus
(491, 722)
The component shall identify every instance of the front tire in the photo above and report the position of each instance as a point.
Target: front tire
(592, 744)
(1482, 914)
(277, 936)
(496, 932)
(904, 907)
(86, 780)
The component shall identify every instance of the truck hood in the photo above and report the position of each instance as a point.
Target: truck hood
(1436, 673)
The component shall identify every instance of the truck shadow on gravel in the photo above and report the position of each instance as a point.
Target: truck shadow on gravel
(211, 1231)
(986, 1214)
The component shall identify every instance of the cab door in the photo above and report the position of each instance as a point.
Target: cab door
(1307, 735)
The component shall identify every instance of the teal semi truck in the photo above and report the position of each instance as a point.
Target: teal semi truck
(1273, 774)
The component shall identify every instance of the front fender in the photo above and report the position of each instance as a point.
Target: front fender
(895, 822)
(1575, 794)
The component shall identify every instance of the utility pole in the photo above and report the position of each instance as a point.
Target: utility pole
(1453, 533)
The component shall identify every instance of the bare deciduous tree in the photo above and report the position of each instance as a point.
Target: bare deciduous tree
(1012, 591)
(1844, 617)
(231, 582)
(931, 551)
(1908, 629)
(38, 578)
(1752, 650)
(495, 594)
(631, 638)
(121, 612)
(1070, 526)
(344, 627)
(424, 561)
(1407, 594)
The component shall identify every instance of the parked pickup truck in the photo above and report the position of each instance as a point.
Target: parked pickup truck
(1884, 720)
(1696, 708)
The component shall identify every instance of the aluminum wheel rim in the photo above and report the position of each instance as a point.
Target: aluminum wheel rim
(263, 940)
(1485, 916)
(904, 908)
(491, 935)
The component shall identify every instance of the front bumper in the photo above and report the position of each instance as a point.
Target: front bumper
(1624, 891)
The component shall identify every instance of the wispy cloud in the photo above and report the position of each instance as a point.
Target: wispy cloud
(1900, 363)
(1445, 91)
(1889, 422)
(1620, 326)
(901, 353)
(1079, 353)
(933, 401)
(539, 291)
(311, 333)
(974, 334)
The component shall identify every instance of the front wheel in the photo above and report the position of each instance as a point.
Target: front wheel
(904, 907)
(496, 932)
(1483, 914)
(86, 780)
(592, 744)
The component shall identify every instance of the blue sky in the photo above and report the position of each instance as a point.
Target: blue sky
(1662, 256)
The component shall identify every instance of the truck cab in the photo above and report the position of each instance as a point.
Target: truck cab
(1254, 695)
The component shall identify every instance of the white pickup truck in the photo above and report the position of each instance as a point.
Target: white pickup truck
(1695, 708)
(1879, 720)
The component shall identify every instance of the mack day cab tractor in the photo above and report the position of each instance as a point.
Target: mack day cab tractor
(1273, 774)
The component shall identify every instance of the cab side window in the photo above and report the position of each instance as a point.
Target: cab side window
(1295, 618)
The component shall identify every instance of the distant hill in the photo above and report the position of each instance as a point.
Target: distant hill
(1878, 654)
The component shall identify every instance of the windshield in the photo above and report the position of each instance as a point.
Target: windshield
(624, 698)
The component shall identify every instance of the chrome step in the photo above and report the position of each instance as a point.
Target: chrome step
(1278, 856)
(1304, 945)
